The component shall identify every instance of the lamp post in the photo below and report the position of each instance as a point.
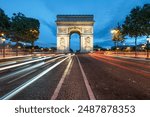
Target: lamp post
(115, 33)
(148, 40)
(3, 42)
(24, 48)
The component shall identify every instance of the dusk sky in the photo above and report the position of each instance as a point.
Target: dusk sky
(106, 12)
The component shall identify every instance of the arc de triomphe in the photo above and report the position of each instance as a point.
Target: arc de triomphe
(69, 24)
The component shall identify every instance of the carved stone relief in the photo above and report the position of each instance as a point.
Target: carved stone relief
(87, 30)
(87, 43)
(70, 29)
(62, 30)
(62, 43)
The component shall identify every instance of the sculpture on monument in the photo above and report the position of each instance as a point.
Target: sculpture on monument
(62, 43)
(68, 24)
(87, 43)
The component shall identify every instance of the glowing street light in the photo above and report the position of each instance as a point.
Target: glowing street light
(115, 33)
(2, 34)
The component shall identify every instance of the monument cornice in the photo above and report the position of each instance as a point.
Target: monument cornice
(74, 23)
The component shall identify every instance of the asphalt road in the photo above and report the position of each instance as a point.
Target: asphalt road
(79, 77)
(116, 78)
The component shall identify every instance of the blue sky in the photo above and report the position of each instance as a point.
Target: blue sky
(106, 12)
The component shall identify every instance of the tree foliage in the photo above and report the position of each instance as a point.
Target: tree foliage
(4, 22)
(24, 29)
(132, 24)
(145, 20)
(137, 23)
(32, 30)
(17, 27)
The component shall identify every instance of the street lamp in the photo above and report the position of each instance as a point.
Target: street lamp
(115, 33)
(148, 40)
(24, 44)
(3, 42)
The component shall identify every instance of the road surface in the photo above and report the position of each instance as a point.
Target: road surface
(76, 77)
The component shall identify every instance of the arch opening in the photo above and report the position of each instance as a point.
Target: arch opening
(75, 42)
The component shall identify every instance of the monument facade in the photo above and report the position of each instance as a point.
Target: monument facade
(69, 24)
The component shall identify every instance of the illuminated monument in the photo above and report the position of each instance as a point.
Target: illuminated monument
(69, 24)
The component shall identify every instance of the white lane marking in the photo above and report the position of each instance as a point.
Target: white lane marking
(20, 77)
(89, 90)
(66, 72)
(29, 82)
(21, 71)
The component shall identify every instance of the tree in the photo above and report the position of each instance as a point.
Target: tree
(4, 23)
(24, 29)
(32, 30)
(17, 29)
(132, 25)
(145, 21)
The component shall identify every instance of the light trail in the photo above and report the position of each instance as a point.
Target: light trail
(29, 68)
(7, 63)
(123, 61)
(25, 63)
(137, 71)
(20, 77)
(20, 64)
(21, 71)
(29, 82)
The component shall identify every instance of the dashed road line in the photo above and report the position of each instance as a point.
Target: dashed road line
(89, 90)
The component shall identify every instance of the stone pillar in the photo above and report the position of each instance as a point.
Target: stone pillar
(82, 43)
(63, 43)
(86, 43)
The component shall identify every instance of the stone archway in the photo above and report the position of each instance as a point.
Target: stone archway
(81, 24)
(75, 42)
